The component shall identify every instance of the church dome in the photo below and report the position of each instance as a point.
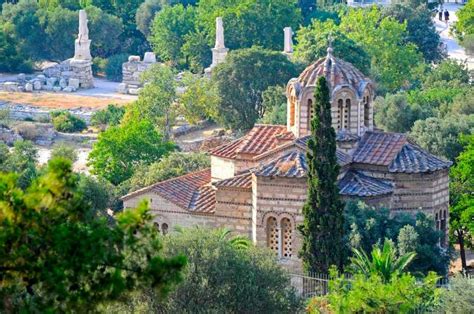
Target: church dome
(339, 74)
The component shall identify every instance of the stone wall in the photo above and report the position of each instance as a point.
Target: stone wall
(72, 74)
(132, 71)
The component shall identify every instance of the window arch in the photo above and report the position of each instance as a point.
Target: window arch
(366, 112)
(286, 236)
(164, 228)
(347, 114)
(340, 109)
(273, 238)
(310, 113)
(292, 110)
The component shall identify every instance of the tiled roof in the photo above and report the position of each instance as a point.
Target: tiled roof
(203, 200)
(239, 181)
(292, 165)
(345, 136)
(342, 158)
(413, 159)
(355, 183)
(379, 148)
(259, 140)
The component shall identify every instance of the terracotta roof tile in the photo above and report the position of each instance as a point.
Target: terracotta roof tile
(239, 181)
(413, 159)
(379, 148)
(203, 200)
(180, 190)
(291, 165)
(342, 158)
(355, 183)
(259, 140)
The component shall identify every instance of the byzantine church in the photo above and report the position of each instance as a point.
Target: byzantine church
(257, 184)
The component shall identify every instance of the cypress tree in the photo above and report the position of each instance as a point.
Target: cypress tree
(322, 228)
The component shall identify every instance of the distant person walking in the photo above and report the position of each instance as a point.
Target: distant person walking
(446, 16)
(440, 13)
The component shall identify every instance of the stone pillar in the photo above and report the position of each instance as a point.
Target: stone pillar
(219, 52)
(288, 41)
(82, 43)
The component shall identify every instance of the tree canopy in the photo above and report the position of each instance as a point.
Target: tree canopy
(57, 255)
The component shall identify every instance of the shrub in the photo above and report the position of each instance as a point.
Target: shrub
(113, 68)
(108, 116)
(64, 121)
(98, 66)
(27, 130)
(468, 43)
(64, 151)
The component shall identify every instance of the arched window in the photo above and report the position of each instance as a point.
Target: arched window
(273, 238)
(157, 226)
(340, 109)
(164, 228)
(292, 110)
(310, 113)
(286, 236)
(366, 112)
(347, 115)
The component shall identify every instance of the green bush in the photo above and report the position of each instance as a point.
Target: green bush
(98, 66)
(108, 116)
(64, 121)
(468, 43)
(113, 68)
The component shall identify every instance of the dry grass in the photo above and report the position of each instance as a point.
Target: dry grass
(59, 101)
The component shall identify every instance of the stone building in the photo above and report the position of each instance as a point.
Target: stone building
(132, 71)
(256, 185)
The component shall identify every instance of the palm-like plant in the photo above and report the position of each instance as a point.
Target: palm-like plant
(383, 262)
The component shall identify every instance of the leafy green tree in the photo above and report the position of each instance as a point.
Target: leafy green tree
(64, 121)
(169, 27)
(227, 275)
(145, 15)
(241, 81)
(105, 30)
(440, 136)
(322, 229)
(57, 256)
(199, 99)
(98, 193)
(395, 64)
(393, 113)
(274, 102)
(196, 51)
(383, 262)
(367, 226)
(421, 30)
(11, 59)
(462, 200)
(113, 67)
(22, 161)
(62, 150)
(464, 26)
(156, 99)
(174, 165)
(313, 42)
(119, 150)
(458, 298)
(449, 72)
(249, 17)
(110, 116)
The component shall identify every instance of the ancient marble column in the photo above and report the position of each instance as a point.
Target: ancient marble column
(219, 52)
(82, 43)
(288, 41)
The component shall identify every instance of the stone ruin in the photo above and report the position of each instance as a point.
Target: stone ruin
(68, 76)
(219, 52)
(132, 71)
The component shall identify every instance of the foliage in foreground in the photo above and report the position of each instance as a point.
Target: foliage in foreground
(112, 115)
(225, 275)
(56, 255)
(377, 288)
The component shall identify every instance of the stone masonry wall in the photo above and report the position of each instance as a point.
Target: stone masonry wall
(132, 71)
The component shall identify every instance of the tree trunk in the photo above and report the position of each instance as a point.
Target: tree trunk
(462, 250)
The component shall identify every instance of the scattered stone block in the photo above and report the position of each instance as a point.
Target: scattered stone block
(37, 85)
(29, 87)
(22, 77)
(11, 86)
(62, 83)
(122, 88)
(133, 91)
(56, 88)
(149, 57)
(74, 83)
(134, 59)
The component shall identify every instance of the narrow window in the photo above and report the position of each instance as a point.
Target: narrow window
(310, 113)
(286, 236)
(340, 110)
(347, 115)
(164, 229)
(272, 235)
(292, 110)
(366, 112)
